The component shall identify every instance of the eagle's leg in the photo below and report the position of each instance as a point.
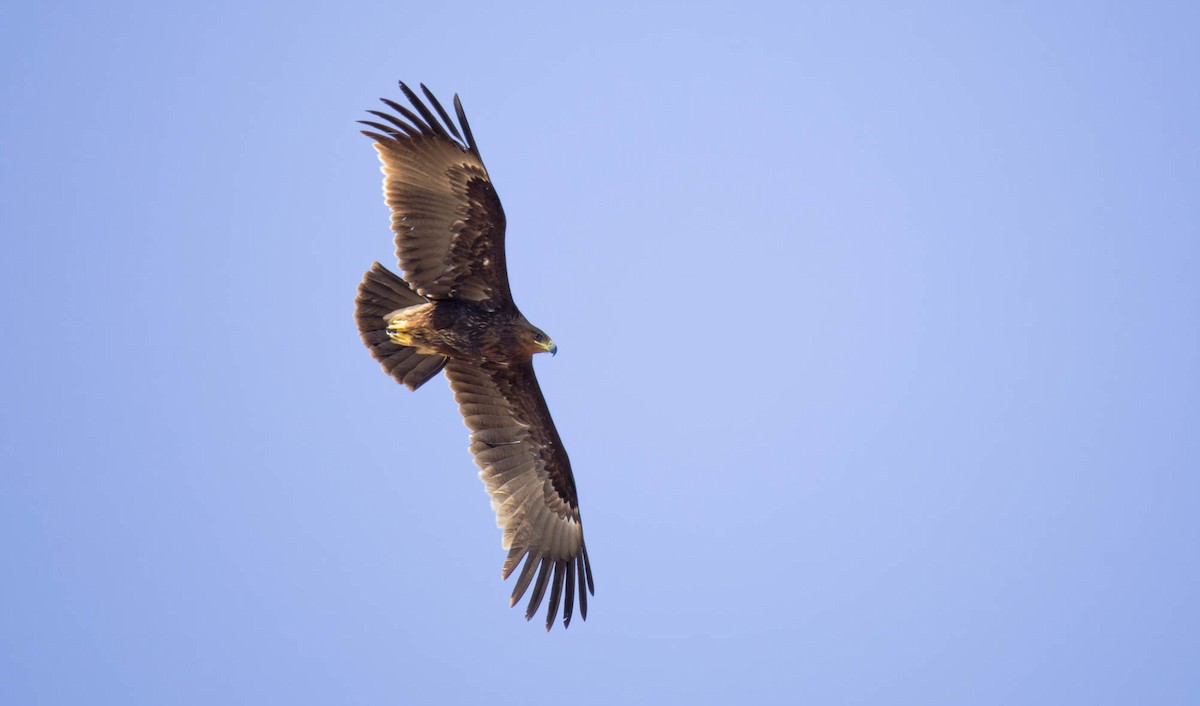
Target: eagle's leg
(398, 332)
(401, 325)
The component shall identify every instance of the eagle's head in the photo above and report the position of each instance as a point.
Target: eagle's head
(537, 341)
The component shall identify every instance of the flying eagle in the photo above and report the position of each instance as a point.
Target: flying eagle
(453, 309)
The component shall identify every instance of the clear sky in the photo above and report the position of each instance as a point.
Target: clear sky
(879, 361)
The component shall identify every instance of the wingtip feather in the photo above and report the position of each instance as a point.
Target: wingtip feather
(539, 589)
(555, 594)
(531, 562)
(437, 105)
(569, 601)
(466, 127)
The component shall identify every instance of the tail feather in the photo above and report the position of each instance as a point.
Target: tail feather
(380, 293)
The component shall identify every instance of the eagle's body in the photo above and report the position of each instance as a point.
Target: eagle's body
(463, 331)
(453, 309)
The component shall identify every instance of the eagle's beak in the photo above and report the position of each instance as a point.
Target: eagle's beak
(553, 348)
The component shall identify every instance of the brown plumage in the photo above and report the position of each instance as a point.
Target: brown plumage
(453, 309)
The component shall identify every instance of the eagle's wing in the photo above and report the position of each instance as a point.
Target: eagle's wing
(448, 221)
(527, 473)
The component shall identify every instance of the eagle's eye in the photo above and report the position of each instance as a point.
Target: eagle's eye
(538, 337)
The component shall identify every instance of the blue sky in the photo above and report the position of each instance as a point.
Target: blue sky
(879, 354)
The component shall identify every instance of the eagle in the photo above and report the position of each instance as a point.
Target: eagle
(453, 310)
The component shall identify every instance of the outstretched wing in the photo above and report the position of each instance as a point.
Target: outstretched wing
(526, 470)
(448, 221)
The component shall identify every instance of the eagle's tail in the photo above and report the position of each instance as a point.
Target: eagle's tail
(379, 294)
